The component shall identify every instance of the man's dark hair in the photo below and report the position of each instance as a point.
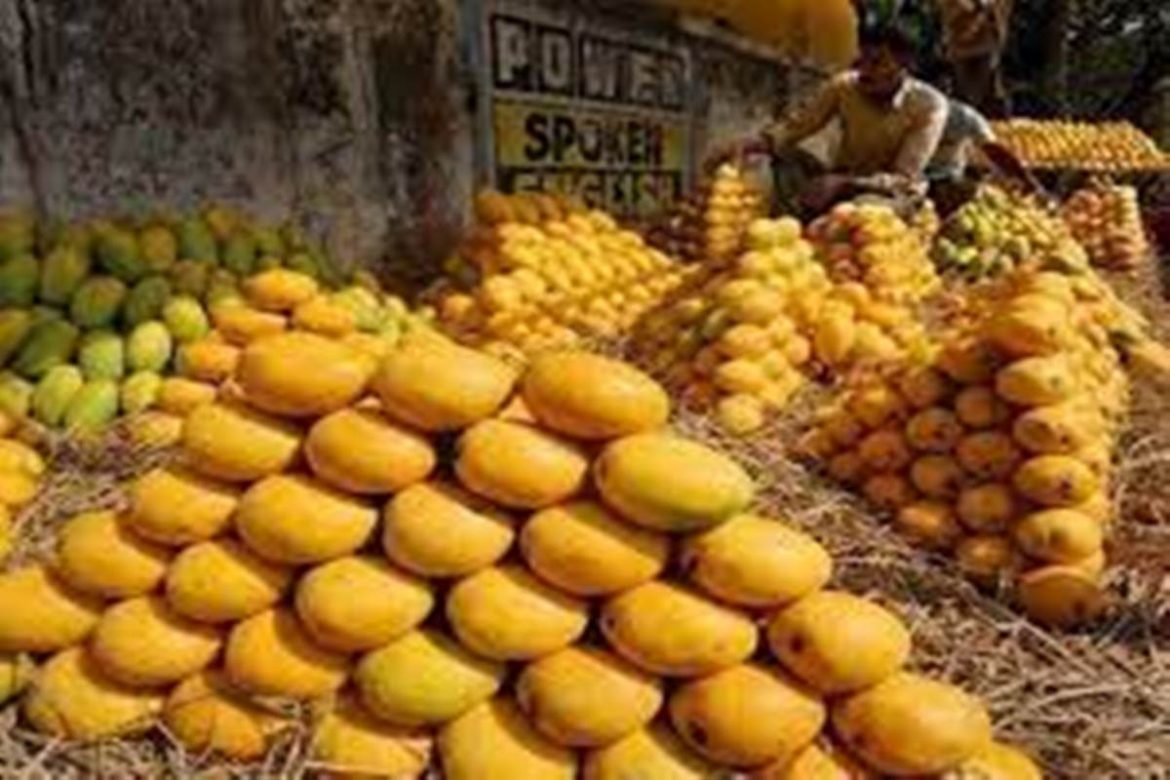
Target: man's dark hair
(892, 38)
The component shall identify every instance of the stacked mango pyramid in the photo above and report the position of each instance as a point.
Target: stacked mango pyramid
(540, 273)
(1107, 220)
(998, 449)
(94, 316)
(1108, 147)
(998, 231)
(869, 244)
(743, 341)
(317, 527)
(708, 226)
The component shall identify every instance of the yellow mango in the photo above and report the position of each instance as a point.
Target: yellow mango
(279, 289)
(425, 678)
(756, 562)
(1037, 381)
(989, 455)
(16, 671)
(1058, 535)
(96, 554)
(302, 374)
(71, 698)
(1061, 596)
(667, 483)
(438, 530)
(968, 361)
(585, 697)
(207, 715)
(296, 520)
(360, 451)
(978, 407)
(911, 725)
(493, 739)
(847, 467)
(592, 397)
(323, 315)
(837, 643)
(518, 465)
(834, 339)
(988, 508)
(506, 614)
(269, 654)
(924, 387)
(876, 405)
(929, 524)
(1055, 481)
(181, 396)
(173, 506)
(441, 387)
(237, 444)
(815, 763)
(41, 614)
(155, 429)
(937, 476)
(349, 742)
(665, 629)
(985, 559)
(935, 430)
(741, 415)
(585, 550)
(1061, 429)
(222, 581)
(1031, 326)
(885, 450)
(207, 360)
(360, 603)
(142, 643)
(997, 761)
(654, 752)
(747, 715)
(240, 324)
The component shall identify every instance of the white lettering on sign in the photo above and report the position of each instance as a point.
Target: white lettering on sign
(511, 53)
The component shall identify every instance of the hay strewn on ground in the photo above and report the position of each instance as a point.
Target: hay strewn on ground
(1090, 705)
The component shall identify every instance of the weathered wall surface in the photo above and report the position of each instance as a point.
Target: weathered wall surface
(352, 114)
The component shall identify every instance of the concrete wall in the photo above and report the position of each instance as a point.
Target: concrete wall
(352, 114)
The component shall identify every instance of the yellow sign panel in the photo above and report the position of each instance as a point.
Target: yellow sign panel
(626, 161)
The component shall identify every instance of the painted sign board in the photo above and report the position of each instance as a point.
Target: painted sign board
(585, 106)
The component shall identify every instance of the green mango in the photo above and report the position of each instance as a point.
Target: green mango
(190, 277)
(53, 394)
(146, 301)
(19, 278)
(15, 325)
(62, 272)
(50, 344)
(119, 255)
(15, 395)
(97, 302)
(197, 242)
(239, 253)
(102, 355)
(94, 406)
(140, 391)
(186, 319)
(17, 234)
(149, 347)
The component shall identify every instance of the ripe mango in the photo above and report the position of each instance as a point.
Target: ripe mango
(176, 507)
(361, 451)
(238, 444)
(667, 483)
(665, 629)
(493, 739)
(222, 581)
(837, 642)
(142, 643)
(269, 654)
(349, 742)
(41, 614)
(756, 562)
(206, 714)
(747, 715)
(425, 678)
(1037, 381)
(518, 465)
(1055, 481)
(585, 697)
(98, 554)
(72, 698)
(653, 752)
(583, 549)
(505, 613)
(912, 725)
